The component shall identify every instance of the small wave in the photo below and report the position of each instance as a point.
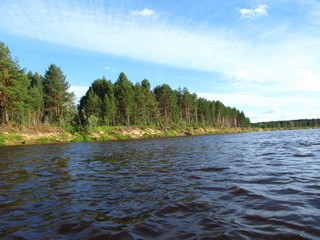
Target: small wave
(216, 189)
(266, 154)
(235, 190)
(298, 155)
(105, 236)
(68, 228)
(288, 191)
(181, 209)
(212, 169)
(89, 230)
(148, 229)
(141, 190)
(313, 187)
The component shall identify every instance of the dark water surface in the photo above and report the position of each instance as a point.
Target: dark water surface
(241, 186)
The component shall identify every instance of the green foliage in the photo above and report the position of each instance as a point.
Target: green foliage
(169, 133)
(123, 103)
(46, 140)
(14, 138)
(2, 141)
(119, 136)
(57, 99)
(13, 89)
(125, 99)
(11, 138)
(150, 135)
(92, 122)
(36, 98)
(82, 138)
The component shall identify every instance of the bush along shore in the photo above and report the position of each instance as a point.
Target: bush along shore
(11, 135)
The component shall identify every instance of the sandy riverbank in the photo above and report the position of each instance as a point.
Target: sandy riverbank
(11, 135)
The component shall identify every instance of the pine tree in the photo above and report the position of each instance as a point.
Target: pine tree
(141, 105)
(151, 102)
(35, 99)
(56, 95)
(187, 103)
(125, 97)
(167, 103)
(13, 88)
(93, 104)
(110, 110)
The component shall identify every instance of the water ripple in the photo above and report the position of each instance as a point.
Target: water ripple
(243, 186)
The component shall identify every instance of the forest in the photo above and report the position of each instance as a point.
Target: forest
(291, 124)
(30, 99)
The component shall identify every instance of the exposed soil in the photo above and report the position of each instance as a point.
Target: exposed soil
(18, 135)
(14, 135)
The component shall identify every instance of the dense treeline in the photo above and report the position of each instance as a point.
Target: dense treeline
(27, 98)
(291, 124)
(125, 103)
(33, 99)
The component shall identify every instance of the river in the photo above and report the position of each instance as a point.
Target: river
(263, 185)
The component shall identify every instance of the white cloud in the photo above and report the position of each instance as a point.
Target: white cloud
(78, 91)
(229, 53)
(110, 69)
(270, 108)
(270, 111)
(144, 13)
(239, 100)
(260, 11)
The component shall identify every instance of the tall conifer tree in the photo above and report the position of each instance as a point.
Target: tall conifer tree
(125, 95)
(56, 95)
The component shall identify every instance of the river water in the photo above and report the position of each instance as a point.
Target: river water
(262, 185)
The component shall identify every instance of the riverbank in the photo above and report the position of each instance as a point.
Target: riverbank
(12, 135)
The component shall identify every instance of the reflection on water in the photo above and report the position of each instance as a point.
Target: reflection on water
(244, 186)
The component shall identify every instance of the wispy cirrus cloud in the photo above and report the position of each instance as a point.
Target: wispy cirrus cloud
(260, 11)
(278, 54)
(110, 69)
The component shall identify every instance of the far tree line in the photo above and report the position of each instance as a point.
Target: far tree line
(28, 98)
(290, 124)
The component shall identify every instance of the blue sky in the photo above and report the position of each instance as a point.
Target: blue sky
(262, 57)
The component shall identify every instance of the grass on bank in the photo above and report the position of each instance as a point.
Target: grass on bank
(14, 135)
(11, 138)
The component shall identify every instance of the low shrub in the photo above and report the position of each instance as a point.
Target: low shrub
(2, 141)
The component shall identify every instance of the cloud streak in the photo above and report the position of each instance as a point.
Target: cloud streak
(260, 11)
(144, 13)
(229, 53)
